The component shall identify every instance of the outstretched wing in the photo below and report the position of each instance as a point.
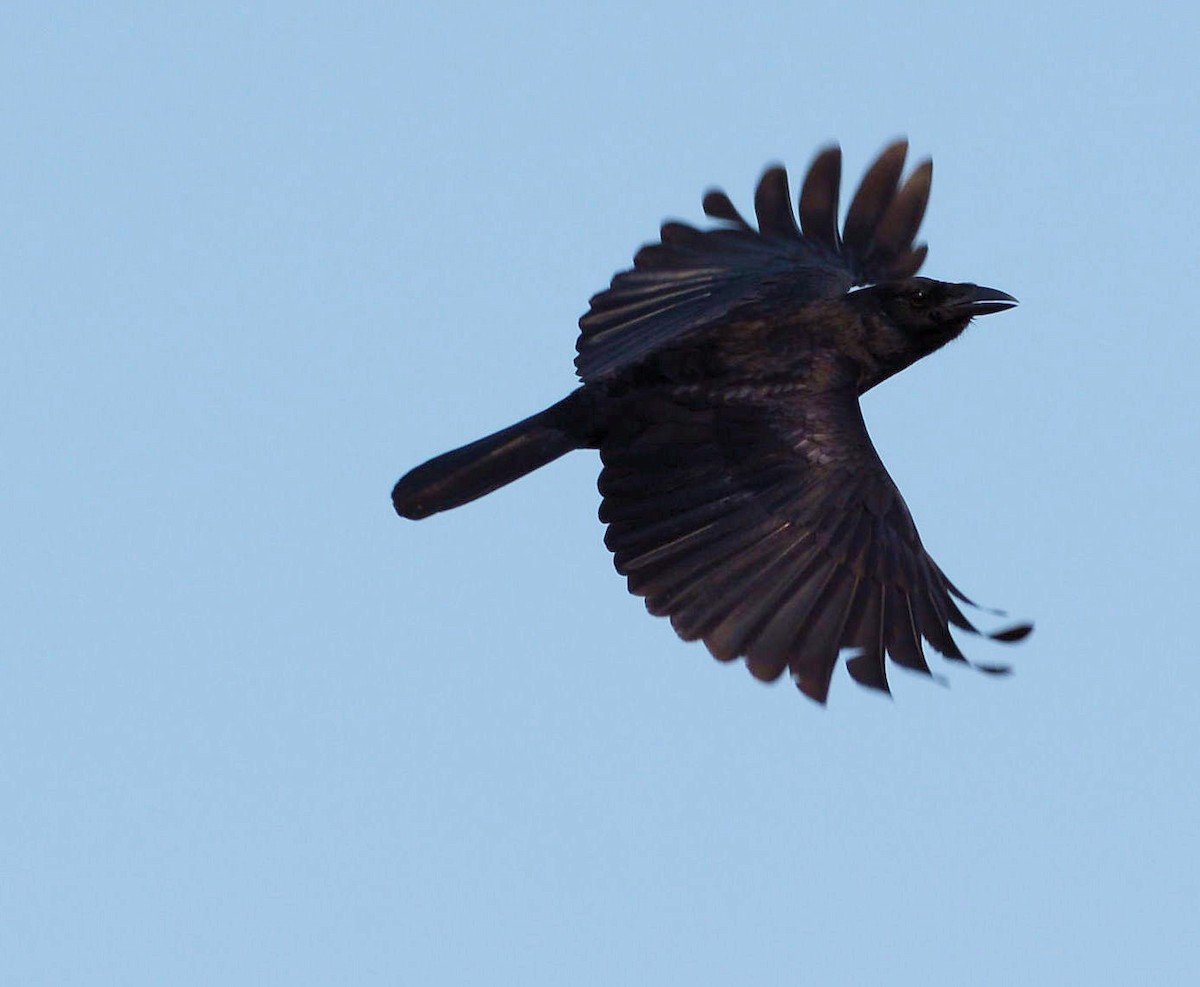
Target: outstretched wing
(694, 278)
(772, 531)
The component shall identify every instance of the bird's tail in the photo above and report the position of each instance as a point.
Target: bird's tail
(462, 475)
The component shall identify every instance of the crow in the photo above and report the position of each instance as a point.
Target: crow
(720, 382)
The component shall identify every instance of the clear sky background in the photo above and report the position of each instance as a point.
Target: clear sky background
(258, 260)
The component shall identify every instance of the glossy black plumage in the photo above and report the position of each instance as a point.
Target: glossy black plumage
(721, 377)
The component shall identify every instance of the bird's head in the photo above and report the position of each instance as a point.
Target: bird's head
(909, 319)
(921, 306)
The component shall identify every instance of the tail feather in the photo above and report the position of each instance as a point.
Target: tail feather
(462, 475)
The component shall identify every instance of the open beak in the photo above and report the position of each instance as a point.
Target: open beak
(978, 300)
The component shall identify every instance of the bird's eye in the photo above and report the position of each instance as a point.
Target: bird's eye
(919, 298)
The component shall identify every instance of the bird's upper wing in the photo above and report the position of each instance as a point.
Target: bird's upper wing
(770, 529)
(693, 278)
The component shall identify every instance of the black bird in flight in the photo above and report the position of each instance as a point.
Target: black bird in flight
(721, 378)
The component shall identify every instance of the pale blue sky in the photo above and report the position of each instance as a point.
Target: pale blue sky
(258, 260)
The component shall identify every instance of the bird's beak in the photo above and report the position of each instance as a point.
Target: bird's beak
(978, 300)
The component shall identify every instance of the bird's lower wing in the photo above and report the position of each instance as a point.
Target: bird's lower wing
(770, 530)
